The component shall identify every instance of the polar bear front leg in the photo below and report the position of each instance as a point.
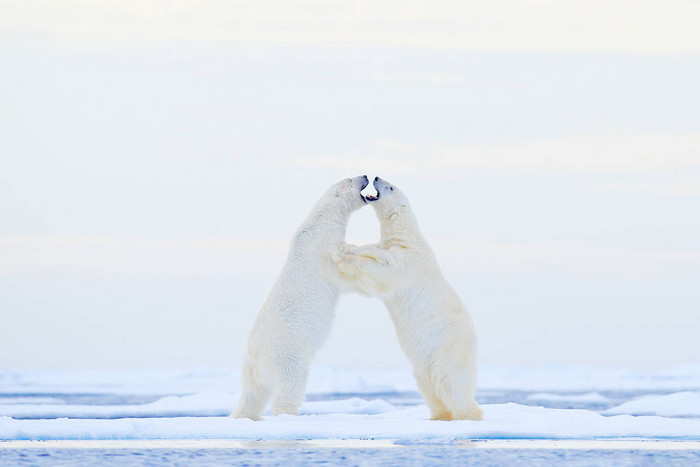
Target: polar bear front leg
(371, 252)
(365, 268)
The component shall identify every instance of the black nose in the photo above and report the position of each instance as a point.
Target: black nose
(364, 183)
(376, 179)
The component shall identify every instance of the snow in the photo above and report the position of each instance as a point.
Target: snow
(552, 403)
(577, 379)
(587, 397)
(510, 421)
(340, 443)
(323, 380)
(30, 400)
(679, 404)
(199, 405)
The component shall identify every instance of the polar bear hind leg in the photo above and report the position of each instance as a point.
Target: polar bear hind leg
(291, 390)
(254, 396)
(471, 412)
(438, 411)
(456, 391)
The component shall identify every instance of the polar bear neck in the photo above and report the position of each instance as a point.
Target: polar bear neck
(330, 215)
(400, 228)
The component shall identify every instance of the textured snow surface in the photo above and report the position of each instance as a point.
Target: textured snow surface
(341, 380)
(501, 421)
(680, 404)
(588, 397)
(518, 403)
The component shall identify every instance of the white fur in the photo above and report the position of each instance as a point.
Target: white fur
(296, 317)
(433, 326)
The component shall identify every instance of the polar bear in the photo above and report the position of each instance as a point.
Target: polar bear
(297, 315)
(433, 326)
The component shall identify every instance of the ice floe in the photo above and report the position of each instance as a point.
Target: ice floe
(679, 404)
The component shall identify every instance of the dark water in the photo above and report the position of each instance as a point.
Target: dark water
(410, 455)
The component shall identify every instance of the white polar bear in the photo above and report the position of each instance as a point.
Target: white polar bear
(433, 326)
(297, 315)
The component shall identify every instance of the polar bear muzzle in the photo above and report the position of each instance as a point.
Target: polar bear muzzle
(379, 185)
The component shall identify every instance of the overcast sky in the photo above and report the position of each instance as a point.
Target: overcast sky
(155, 158)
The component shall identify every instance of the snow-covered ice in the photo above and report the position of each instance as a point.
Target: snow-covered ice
(509, 421)
(679, 404)
(196, 405)
(343, 380)
(519, 403)
(587, 397)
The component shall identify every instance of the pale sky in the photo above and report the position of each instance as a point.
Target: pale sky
(156, 157)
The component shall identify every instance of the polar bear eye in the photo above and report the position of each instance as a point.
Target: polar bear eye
(391, 188)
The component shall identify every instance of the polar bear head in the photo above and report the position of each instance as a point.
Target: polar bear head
(389, 200)
(345, 195)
